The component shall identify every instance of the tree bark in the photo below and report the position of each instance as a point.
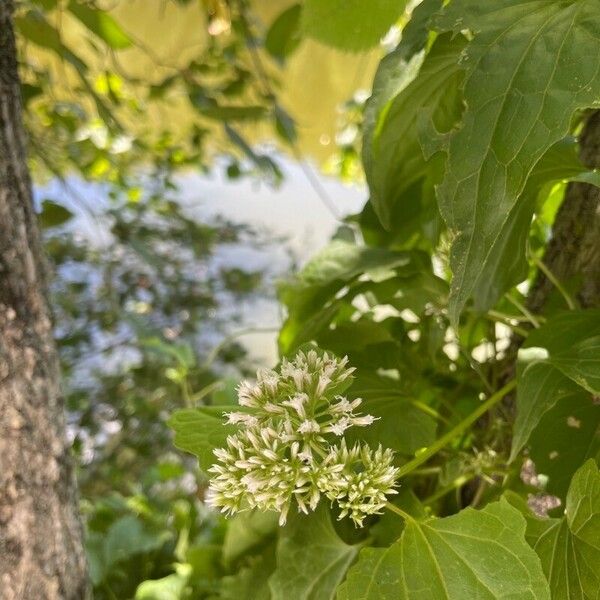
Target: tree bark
(41, 548)
(574, 249)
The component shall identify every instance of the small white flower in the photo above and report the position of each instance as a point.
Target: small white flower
(364, 420)
(278, 456)
(343, 405)
(305, 456)
(234, 418)
(297, 402)
(322, 385)
(339, 427)
(309, 426)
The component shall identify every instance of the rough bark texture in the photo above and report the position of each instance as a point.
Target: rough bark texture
(574, 250)
(41, 550)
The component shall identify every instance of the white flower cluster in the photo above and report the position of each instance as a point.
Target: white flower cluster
(283, 450)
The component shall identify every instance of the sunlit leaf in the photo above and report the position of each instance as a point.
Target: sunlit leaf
(350, 24)
(100, 23)
(284, 36)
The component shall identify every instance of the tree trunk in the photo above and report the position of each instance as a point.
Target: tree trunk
(41, 549)
(574, 250)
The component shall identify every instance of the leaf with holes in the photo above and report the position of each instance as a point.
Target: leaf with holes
(517, 107)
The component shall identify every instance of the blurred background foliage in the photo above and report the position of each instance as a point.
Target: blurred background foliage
(121, 100)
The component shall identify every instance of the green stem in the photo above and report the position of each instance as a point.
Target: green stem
(457, 483)
(505, 320)
(208, 389)
(524, 310)
(399, 511)
(212, 355)
(457, 430)
(539, 263)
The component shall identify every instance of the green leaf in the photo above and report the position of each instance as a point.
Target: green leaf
(251, 582)
(284, 36)
(569, 548)
(100, 23)
(199, 431)
(171, 587)
(405, 88)
(314, 288)
(127, 537)
(234, 113)
(34, 27)
(311, 558)
(517, 107)
(557, 360)
(473, 554)
(53, 214)
(402, 425)
(263, 163)
(566, 436)
(507, 264)
(350, 24)
(246, 531)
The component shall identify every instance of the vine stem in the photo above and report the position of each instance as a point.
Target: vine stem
(524, 310)
(399, 511)
(539, 263)
(457, 430)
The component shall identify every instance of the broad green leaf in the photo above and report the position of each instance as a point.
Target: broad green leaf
(311, 558)
(404, 89)
(569, 548)
(570, 341)
(100, 23)
(389, 527)
(567, 435)
(506, 265)
(246, 531)
(53, 214)
(201, 430)
(583, 505)
(402, 424)
(556, 361)
(517, 107)
(350, 24)
(540, 387)
(283, 36)
(473, 554)
(251, 582)
(310, 295)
